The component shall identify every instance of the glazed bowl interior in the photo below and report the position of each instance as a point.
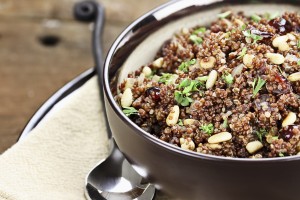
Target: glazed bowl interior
(140, 42)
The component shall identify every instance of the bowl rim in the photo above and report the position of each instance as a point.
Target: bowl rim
(137, 130)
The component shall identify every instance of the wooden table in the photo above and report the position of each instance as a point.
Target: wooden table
(42, 48)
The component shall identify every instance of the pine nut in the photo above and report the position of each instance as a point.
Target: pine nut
(129, 83)
(247, 60)
(155, 78)
(290, 119)
(215, 146)
(158, 62)
(294, 77)
(275, 58)
(187, 144)
(208, 63)
(189, 121)
(212, 78)
(127, 98)
(254, 146)
(147, 71)
(220, 137)
(173, 116)
(281, 43)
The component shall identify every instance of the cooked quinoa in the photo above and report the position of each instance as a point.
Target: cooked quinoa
(231, 89)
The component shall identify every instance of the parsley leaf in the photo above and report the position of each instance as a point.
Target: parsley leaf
(255, 18)
(208, 129)
(167, 78)
(298, 44)
(199, 30)
(255, 38)
(224, 15)
(228, 78)
(270, 16)
(184, 66)
(196, 39)
(130, 111)
(180, 123)
(281, 154)
(261, 133)
(298, 62)
(242, 53)
(182, 99)
(257, 86)
(225, 123)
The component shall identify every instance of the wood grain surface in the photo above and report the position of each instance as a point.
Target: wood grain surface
(42, 47)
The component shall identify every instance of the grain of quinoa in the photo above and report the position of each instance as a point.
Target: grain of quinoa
(253, 91)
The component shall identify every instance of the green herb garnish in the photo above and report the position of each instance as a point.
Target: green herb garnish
(255, 38)
(228, 78)
(185, 65)
(225, 123)
(130, 111)
(281, 154)
(167, 78)
(270, 16)
(243, 27)
(208, 129)
(242, 53)
(199, 30)
(202, 78)
(224, 15)
(298, 62)
(257, 85)
(298, 44)
(180, 123)
(196, 39)
(255, 18)
(261, 133)
(182, 99)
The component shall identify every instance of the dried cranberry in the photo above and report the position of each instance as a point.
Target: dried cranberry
(286, 133)
(282, 25)
(154, 92)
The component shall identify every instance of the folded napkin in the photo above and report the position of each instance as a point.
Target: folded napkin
(53, 160)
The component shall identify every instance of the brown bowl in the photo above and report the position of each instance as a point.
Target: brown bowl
(185, 174)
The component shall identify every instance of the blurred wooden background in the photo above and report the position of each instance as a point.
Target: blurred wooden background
(42, 48)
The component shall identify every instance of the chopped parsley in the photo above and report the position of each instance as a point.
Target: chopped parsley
(199, 30)
(298, 62)
(255, 18)
(183, 99)
(243, 27)
(196, 39)
(281, 154)
(202, 78)
(298, 44)
(261, 133)
(185, 65)
(242, 53)
(224, 15)
(207, 128)
(130, 111)
(228, 78)
(257, 85)
(225, 123)
(167, 78)
(270, 16)
(255, 38)
(180, 123)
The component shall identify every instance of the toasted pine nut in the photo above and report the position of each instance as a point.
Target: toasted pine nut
(220, 137)
(127, 98)
(173, 116)
(281, 43)
(290, 119)
(208, 63)
(158, 62)
(187, 144)
(247, 60)
(212, 78)
(147, 71)
(275, 58)
(189, 121)
(254, 146)
(214, 146)
(294, 77)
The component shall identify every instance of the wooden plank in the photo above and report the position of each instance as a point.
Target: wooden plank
(31, 71)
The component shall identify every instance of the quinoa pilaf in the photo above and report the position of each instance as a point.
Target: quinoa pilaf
(231, 89)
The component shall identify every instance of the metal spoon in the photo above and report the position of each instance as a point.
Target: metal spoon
(115, 179)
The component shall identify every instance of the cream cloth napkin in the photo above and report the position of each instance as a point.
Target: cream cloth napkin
(53, 160)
